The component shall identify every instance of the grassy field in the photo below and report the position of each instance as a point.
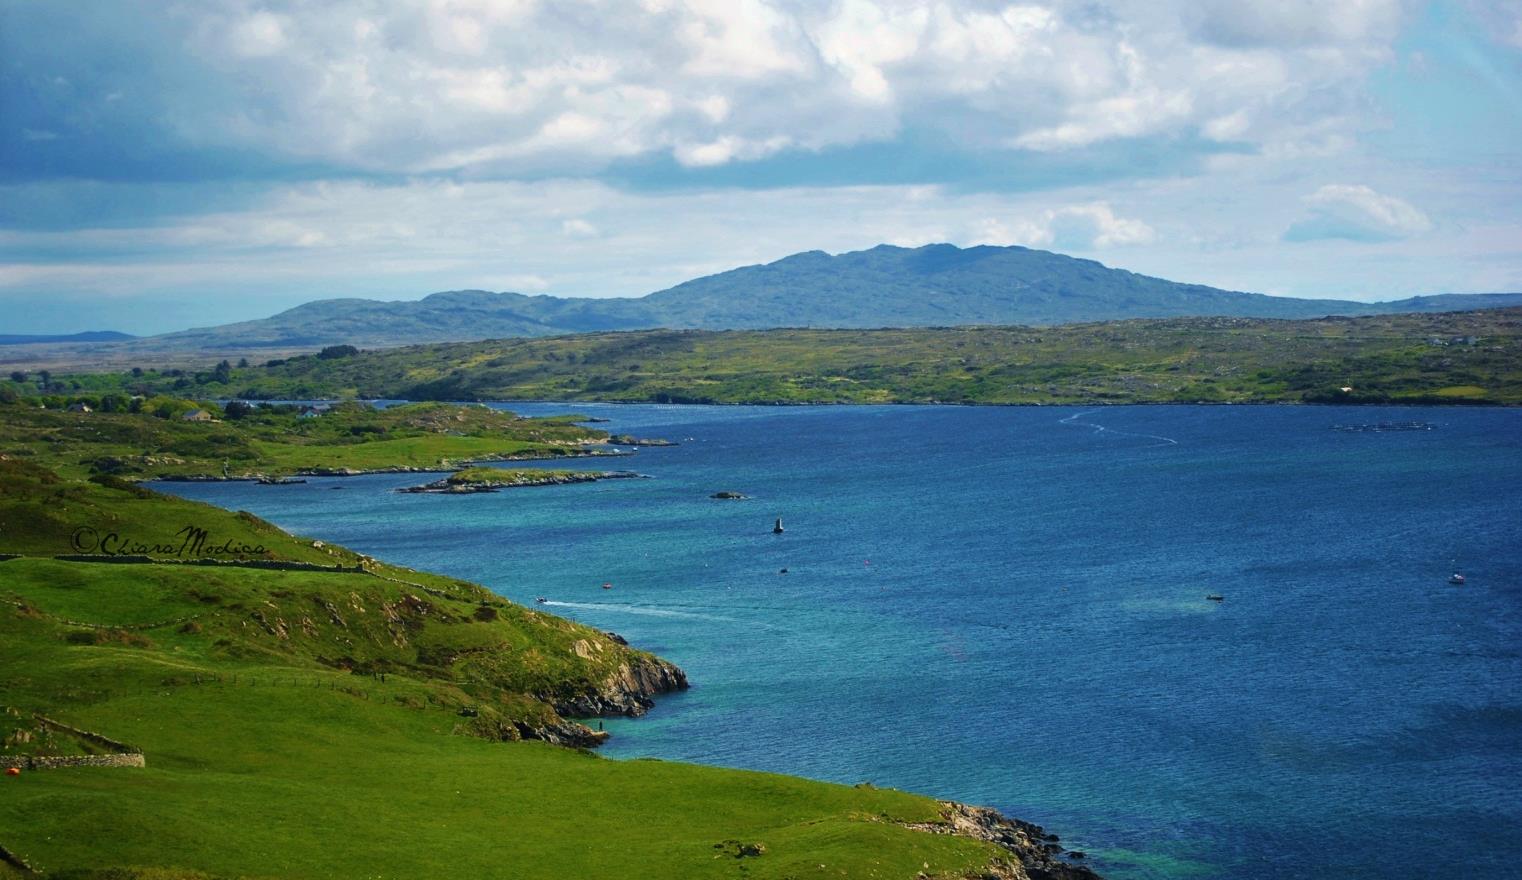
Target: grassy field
(276, 441)
(1459, 357)
(371, 722)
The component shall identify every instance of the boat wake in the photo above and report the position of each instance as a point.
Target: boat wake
(643, 610)
(1101, 429)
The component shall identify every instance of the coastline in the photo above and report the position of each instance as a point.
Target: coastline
(1028, 851)
(1459, 403)
(278, 478)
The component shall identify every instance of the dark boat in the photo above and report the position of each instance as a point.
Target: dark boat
(1215, 598)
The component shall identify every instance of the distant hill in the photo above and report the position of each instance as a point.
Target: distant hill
(886, 286)
(89, 336)
(1469, 357)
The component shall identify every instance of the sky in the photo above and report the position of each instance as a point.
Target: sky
(173, 164)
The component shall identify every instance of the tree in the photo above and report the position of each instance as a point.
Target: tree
(237, 409)
(45, 377)
(333, 352)
(242, 363)
(18, 376)
(223, 372)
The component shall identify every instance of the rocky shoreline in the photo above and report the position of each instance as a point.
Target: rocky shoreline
(449, 486)
(280, 479)
(1036, 854)
(629, 691)
(1033, 853)
(631, 440)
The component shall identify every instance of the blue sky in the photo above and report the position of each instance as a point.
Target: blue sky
(165, 165)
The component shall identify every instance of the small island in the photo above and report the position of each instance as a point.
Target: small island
(631, 440)
(487, 479)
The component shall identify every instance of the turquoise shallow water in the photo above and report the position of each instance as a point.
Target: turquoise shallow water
(1006, 606)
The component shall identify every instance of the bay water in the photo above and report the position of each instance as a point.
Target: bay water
(1007, 606)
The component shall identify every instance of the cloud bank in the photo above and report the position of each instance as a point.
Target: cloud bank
(505, 88)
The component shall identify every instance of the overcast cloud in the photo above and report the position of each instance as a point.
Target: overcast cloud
(226, 159)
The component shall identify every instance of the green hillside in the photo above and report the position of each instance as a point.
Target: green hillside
(1458, 357)
(153, 438)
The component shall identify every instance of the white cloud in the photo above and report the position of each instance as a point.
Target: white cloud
(578, 227)
(1085, 227)
(499, 88)
(257, 36)
(516, 283)
(728, 148)
(1357, 213)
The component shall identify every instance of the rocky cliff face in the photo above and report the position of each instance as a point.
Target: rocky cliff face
(628, 691)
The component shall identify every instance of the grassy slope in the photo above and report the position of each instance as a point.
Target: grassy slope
(299, 769)
(415, 436)
(1140, 361)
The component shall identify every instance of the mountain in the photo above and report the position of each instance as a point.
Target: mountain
(886, 286)
(89, 336)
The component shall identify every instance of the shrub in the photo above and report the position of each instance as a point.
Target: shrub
(333, 352)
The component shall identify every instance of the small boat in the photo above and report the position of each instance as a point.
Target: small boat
(1216, 598)
(1456, 579)
(608, 585)
(541, 599)
(783, 571)
(777, 529)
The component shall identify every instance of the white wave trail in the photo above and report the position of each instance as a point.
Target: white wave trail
(637, 609)
(1101, 429)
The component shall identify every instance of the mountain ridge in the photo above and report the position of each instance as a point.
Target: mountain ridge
(883, 286)
(86, 336)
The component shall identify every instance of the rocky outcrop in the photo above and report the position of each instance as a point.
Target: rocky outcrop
(452, 487)
(564, 733)
(729, 496)
(631, 440)
(1035, 855)
(628, 691)
(357, 472)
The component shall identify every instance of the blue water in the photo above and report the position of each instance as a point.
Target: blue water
(1006, 606)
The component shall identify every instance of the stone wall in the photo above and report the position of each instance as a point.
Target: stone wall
(51, 762)
(272, 564)
(121, 754)
(15, 861)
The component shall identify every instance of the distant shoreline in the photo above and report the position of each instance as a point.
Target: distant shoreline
(1456, 402)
